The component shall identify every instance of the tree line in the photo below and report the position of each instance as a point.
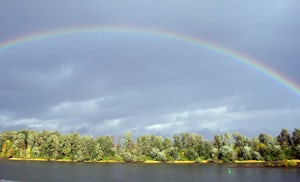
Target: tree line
(226, 147)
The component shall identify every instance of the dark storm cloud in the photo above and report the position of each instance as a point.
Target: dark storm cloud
(112, 83)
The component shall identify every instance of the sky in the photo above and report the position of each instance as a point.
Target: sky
(109, 83)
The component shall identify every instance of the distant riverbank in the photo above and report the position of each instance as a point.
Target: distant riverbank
(283, 163)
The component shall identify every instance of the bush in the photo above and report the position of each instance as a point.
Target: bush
(127, 156)
(293, 164)
(283, 163)
(198, 160)
(269, 164)
(154, 152)
(139, 158)
(286, 163)
(256, 156)
(226, 153)
(117, 157)
(161, 156)
(268, 158)
(173, 153)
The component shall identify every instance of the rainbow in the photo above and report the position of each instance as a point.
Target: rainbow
(233, 55)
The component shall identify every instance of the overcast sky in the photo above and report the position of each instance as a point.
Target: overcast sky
(107, 84)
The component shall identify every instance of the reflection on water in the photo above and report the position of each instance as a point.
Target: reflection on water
(54, 171)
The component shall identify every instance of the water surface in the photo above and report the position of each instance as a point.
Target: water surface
(59, 171)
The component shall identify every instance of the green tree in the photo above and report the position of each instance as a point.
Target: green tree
(174, 153)
(7, 149)
(49, 144)
(214, 153)
(156, 142)
(296, 143)
(177, 143)
(208, 148)
(128, 142)
(128, 157)
(186, 146)
(144, 145)
(246, 152)
(256, 156)
(226, 153)
(297, 152)
(161, 156)
(19, 145)
(284, 138)
(106, 145)
(153, 153)
(32, 145)
(266, 139)
(65, 146)
(285, 142)
(88, 148)
(218, 141)
(296, 137)
(167, 143)
(72, 146)
(228, 139)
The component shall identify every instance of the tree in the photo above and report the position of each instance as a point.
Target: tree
(214, 153)
(297, 152)
(7, 150)
(296, 143)
(167, 143)
(45, 144)
(256, 156)
(88, 148)
(161, 156)
(19, 145)
(144, 145)
(177, 143)
(153, 153)
(186, 146)
(296, 137)
(208, 148)
(276, 153)
(266, 139)
(52, 145)
(99, 154)
(106, 145)
(127, 156)
(173, 152)
(33, 147)
(243, 146)
(284, 138)
(218, 141)
(2, 140)
(200, 146)
(73, 140)
(156, 142)
(128, 142)
(246, 153)
(228, 139)
(265, 146)
(65, 146)
(226, 153)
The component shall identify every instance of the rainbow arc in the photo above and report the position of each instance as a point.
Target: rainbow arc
(202, 43)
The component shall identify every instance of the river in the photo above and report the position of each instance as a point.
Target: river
(60, 171)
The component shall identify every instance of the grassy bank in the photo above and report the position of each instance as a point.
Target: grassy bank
(249, 161)
(283, 163)
(62, 160)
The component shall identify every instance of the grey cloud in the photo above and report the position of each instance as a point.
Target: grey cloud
(111, 83)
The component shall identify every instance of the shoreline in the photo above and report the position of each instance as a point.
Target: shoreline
(153, 161)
